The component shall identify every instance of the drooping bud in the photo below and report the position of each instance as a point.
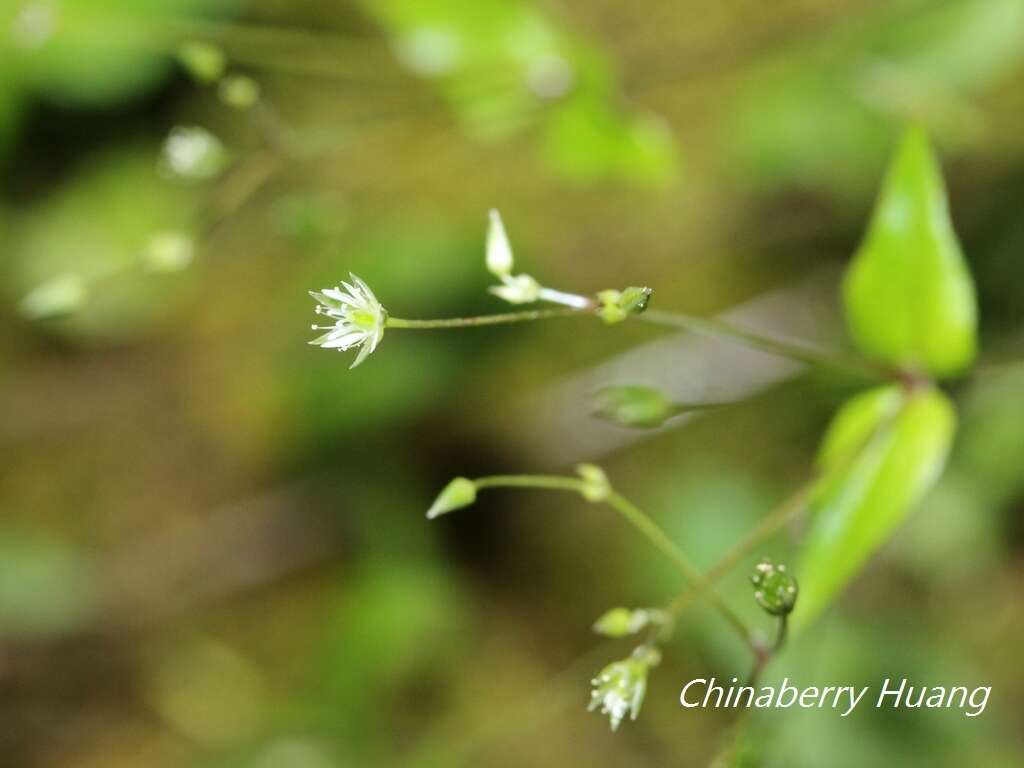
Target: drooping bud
(620, 622)
(459, 493)
(596, 487)
(634, 406)
(774, 589)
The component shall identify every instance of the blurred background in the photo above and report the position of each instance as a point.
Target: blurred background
(213, 549)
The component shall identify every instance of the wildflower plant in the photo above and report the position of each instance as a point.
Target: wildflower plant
(909, 303)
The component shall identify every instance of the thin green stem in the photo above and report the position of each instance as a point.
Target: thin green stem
(763, 656)
(500, 319)
(545, 482)
(781, 634)
(660, 539)
(639, 520)
(800, 351)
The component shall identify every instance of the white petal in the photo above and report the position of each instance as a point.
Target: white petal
(356, 296)
(345, 342)
(364, 352)
(499, 251)
(348, 333)
(338, 295)
(370, 298)
(508, 293)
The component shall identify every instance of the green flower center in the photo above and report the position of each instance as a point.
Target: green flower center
(363, 318)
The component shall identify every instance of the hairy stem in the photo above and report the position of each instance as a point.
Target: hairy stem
(500, 319)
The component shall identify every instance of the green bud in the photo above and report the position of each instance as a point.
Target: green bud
(203, 61)
(59, 296)
(620, 622)
(616, 306)
(774, 589)
(610, 310)
(239, 91)
(634, 406)
(596, 487)
(635, 299)
(459, 493)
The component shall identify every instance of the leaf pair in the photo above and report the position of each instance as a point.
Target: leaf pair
(910, 305)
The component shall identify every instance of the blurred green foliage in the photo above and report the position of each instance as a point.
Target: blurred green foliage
(498, 61)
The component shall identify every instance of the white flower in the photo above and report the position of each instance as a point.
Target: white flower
(619, 688)
(519, 289)
(358, 318)
(499, 251)
(515, 289)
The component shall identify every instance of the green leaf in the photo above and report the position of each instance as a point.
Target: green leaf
(884, 450)
(908, 293)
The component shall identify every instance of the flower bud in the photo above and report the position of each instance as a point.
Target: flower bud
(499, 251)
(620, 622)
(774, 589)
(596, 487)
(460, 492)
(616, 306)
(634, 406)
(517, 289)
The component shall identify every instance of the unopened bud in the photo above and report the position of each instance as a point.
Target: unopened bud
(774, 589)
(616, 306)
(459, 493)
(634, 406)
(596, 487)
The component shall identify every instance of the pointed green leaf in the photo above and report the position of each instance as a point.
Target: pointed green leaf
(908, 293)
(884, 450)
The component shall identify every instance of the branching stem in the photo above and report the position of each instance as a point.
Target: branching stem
(641, 522)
